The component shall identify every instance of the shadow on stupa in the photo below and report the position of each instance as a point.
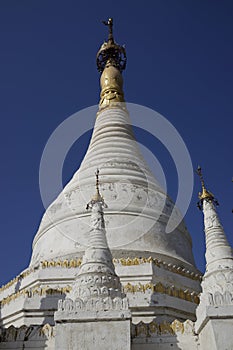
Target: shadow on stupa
(49, 305)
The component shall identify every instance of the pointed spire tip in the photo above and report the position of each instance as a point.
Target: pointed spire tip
(205, 194)
(110, 53)
(97, 198)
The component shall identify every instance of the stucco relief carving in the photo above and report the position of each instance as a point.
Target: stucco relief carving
(220, 299)
(93, 304)
(211, 219)
(97, 221)
(220, 281)
(95, 291)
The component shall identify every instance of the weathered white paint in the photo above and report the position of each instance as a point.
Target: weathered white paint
(108, 331)
(215, 311)
(138, 209)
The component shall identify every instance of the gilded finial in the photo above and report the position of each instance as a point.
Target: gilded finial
(110, 52)
(97, 198)
(111, 61)
(109, 23)
(205, 194)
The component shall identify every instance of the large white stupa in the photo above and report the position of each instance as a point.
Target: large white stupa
(156, 281)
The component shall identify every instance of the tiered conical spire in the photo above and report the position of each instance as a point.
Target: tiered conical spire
(97, 283)
(218, 250)
(217, 284)
(87, 318)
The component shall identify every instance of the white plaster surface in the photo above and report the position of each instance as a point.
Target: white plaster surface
(217, 335)
(218, 251)
(101, 335)
(215, 312)
(138, 209)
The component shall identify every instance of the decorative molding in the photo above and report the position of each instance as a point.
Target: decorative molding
(211, 219)
(47, 331)
(218, 281)
(93, 304)
(218, 298)
(61, 263)
(73, 263)
(95, 285)
(160, 288)
(159, 263)
(35, 291)
(154, 329)
(24, 333)
(128, 262)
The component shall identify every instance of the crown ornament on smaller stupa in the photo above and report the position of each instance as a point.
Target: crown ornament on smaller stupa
(97, 198)
(110, 53)
(205, 194)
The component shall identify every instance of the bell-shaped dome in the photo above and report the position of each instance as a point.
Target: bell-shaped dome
(138, 209)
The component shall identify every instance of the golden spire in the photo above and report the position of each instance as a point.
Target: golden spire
(205, 194)
(111, 61)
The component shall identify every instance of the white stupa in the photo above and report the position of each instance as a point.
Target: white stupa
(215, 312)
(155, 276)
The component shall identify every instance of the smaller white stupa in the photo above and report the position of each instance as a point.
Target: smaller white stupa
(96, 311)
(215, 312)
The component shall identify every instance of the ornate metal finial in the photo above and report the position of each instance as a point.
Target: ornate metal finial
(109, 23)
(205, 194)
(111, 53)
(97, 198)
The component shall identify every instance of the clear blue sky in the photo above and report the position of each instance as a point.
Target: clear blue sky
(180, 63)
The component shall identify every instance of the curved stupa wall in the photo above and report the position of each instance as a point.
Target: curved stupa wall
(138, 209)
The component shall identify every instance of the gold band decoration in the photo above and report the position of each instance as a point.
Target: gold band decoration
(46, 290)
(30, 333)
(128, 288)
(159, 263)
(160, 288)
(73, 263)
(16, 279)
(61, 263)
(153, 328)
(128, 262)
(44, 264)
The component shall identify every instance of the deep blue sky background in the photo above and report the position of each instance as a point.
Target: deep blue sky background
(180, 63)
